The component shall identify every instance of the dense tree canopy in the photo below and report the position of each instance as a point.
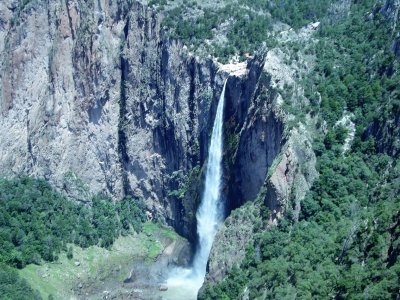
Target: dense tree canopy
(36, 222)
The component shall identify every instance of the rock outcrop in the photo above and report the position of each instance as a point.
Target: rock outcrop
(391, 11)
(385, 131)
(232, 240)
(292, 175)
(253, 133)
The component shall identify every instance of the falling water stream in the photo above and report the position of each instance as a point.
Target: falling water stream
(185, 283)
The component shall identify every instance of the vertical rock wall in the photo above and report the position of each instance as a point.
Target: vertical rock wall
(94, 98)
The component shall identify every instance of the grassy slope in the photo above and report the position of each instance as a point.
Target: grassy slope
(96, 264)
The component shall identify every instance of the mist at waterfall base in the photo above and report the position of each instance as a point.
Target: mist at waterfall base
(185, 283)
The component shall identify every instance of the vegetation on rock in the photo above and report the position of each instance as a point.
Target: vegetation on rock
(345, 244)
(345, 241)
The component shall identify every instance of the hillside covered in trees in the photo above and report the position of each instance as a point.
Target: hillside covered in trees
(37, 223)
(345, 242)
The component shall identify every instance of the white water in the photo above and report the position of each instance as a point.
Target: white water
(185, 283)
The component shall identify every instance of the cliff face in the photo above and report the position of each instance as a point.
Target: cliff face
(167, 103)
(385, 129)
(232, 241)
(254, 132)
(95, 98)
(94, 95)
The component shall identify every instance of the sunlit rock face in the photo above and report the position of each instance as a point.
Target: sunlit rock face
(94, 98)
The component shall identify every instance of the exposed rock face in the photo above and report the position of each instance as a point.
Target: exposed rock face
(166, 100)
(94, 95)
(233, 238)
(386, 132)
(396, 45)
(253, 134)
(339, 10)
(390, 10)
(292, 176)
(261, 154)
(57, 67)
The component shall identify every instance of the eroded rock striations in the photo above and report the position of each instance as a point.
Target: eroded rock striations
(94, 95)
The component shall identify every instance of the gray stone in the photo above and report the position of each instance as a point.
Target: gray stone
(163, 287)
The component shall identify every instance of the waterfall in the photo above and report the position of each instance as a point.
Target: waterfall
(211, 212)
(209, 216)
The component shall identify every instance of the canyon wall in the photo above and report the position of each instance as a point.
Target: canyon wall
(95, 98)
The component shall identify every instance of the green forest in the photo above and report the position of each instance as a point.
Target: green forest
(250, 23)
(345, 244)
(37, 223)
